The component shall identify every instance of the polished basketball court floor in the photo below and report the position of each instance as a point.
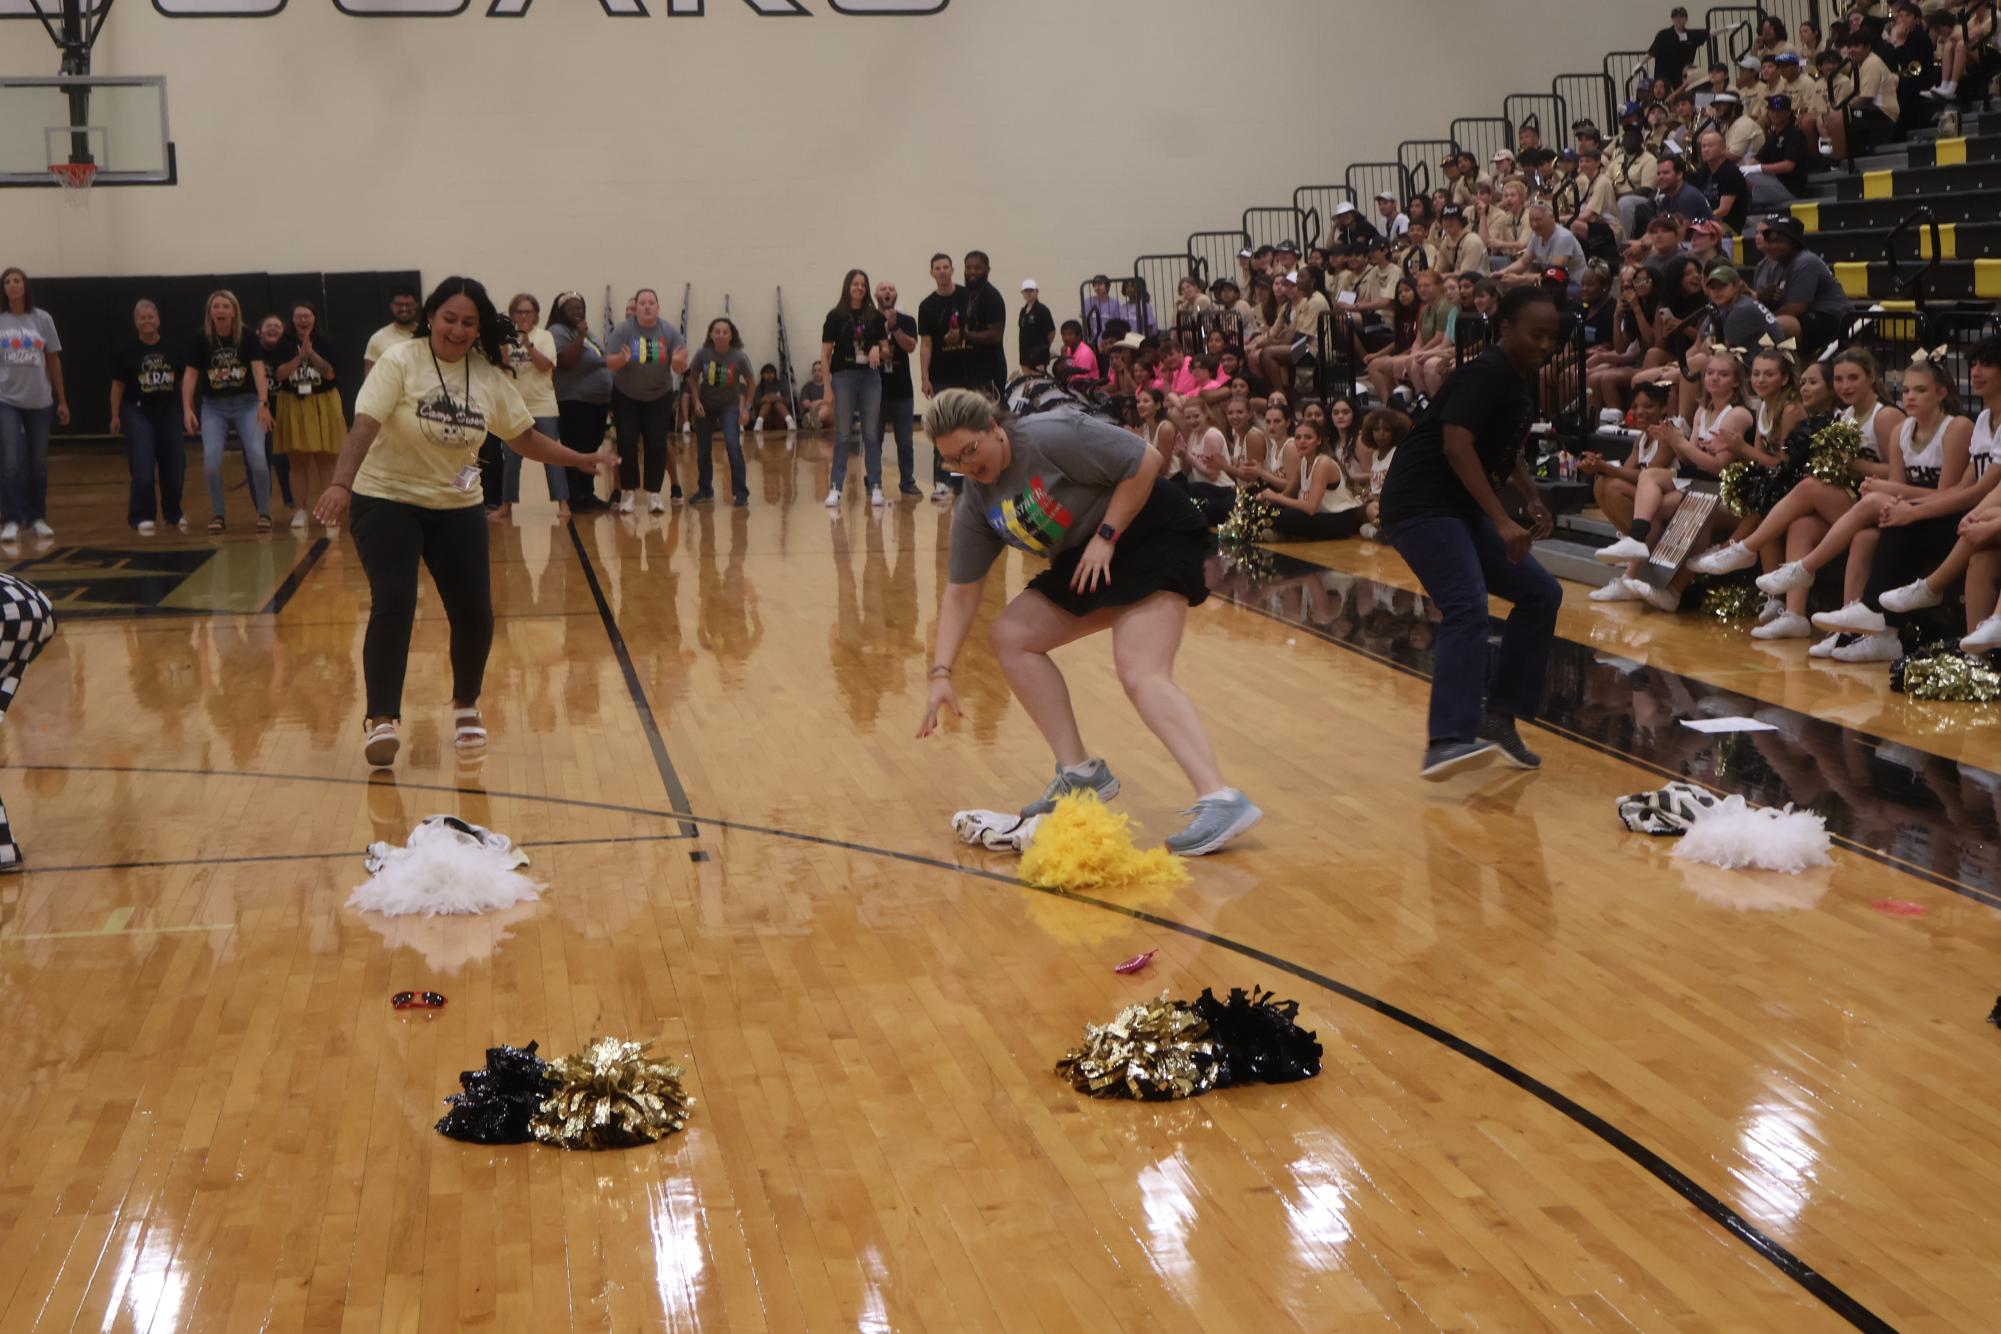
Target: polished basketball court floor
(1570, 1083)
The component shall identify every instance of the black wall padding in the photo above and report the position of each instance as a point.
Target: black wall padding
(94, 318)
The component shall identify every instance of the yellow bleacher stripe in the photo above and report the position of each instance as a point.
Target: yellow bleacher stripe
(1809, 216)
(1948, 241)
(1949, 153)
(1854, 278)
(1987, 278)
(1879, 184)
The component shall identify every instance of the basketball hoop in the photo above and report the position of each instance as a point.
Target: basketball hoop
(75, 178)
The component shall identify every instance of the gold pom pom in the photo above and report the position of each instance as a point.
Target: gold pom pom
(1953, 677)
(1730, 484)
(1156, 1050)
(1250, 520)
(1835, 446)
(1083, 846)
(609, 1096)
(1737, 600)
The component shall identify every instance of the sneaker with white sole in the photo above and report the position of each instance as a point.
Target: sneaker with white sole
(1619, 590)
(298, 518)
(1854, 619)
(1729, 557)
(1092, 776)
(1218, 819)
(1985, 636)
(940, 491)
(1914, 596)
(875, 497)
(1442, 759)
(42, 528)
(1771, 611)
(1784, 626)
(1885, 647)
(1785, 579)
(656, 504)
(1826, 647)
(145, 527)
(791, 424)
(1622, 552)
(625, 503)
(1660, 599)
(10, 532)
(834, 499)
(1501, 731)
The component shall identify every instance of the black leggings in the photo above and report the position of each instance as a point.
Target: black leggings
(1296, 526)
(651, 422)
(392, 537)
(1906, 552)
(581, 426)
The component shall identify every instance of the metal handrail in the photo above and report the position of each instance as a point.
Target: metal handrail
(1915, 284)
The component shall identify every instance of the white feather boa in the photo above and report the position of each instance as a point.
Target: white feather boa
(444, 870)
(1735, 834)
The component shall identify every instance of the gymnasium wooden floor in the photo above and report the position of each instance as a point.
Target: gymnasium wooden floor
(1569, 1084)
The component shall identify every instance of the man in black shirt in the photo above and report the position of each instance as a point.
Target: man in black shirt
(986, 327)
(1442, 511)
(1037, 327)
(898, 396)
(1722, 185)
(1675, 47)
(1779, 170)
(943, 356)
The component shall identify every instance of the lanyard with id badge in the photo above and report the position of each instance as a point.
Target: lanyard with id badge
(452, 422)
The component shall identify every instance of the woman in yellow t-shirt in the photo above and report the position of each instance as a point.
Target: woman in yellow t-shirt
(531, 355)
(410, 470)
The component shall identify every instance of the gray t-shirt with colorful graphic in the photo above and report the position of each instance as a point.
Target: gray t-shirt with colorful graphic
(1052, 495)
(25, 344)
(650, 373)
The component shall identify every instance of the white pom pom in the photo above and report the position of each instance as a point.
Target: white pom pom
(443, 871)
(1736, 834)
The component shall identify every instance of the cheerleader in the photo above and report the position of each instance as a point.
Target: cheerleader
(1125, 556)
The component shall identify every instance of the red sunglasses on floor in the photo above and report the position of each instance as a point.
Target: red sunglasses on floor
(417, 1000)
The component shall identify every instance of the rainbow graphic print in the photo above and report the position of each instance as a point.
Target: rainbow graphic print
(650, 351)
(1033, 521)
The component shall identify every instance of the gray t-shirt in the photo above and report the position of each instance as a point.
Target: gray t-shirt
(584, 380)
(1806, 280)
(1052, 495)
(650, 373)
(1562, 248)
(25, 344)
(1743, 324)
(720, 380)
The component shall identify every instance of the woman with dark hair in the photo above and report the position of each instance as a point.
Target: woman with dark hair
(310, 422)
(1125, 555)
(32, 401)
(410, 471)
(224, 371)
(583, 394)
(773, 408)
(270, 339)
(721, 375)
(531, 355)
(646, 354)
(1324, 510)
(851, 339)
(145, 409)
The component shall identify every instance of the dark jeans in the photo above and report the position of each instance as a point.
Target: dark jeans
(1298, 526)
(1459, 562)
(731, 420)
(642, 423)
(899, 415)
(281, 469)
(581, 426)
(24, 462)
(391, 538)
(155, 443)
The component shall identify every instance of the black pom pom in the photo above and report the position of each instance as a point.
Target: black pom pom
(499, 1100)
(1258, 1039)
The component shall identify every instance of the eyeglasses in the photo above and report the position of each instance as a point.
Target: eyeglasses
(417, 1000)
(957, 462)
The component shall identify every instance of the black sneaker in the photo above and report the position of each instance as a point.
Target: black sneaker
(1445, 758)
(702, 497)
(910, 488)
(743, 502)
(1501, 731)
(674, 493)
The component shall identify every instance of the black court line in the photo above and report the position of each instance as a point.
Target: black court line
(1818, 1285)
(675, 792)
(297, 576)
(168, 863)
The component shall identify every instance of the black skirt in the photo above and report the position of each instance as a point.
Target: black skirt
(1164, 548)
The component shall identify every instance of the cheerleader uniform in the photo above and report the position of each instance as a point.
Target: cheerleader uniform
(1339, 514)
(1906, 552)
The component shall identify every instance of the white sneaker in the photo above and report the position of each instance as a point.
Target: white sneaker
(1619, 590)
(834, 499)
(791, 424)
(145, 527)
(687, 428)
(42, 528)
(1622, 552)
(625, 503)
(1785, 579)
(1914, 596)
(656, 504)
(1660, 599)
(182, 523)
(1784, 626)
(940, 491)
(298, 518)
(1724, 559)
(1872, 648)
(1771, 611)
(10, 532)
(875, 496)
(759, 428)
(1985, 636)
(1369, 532)
(1853, 619)
(1825, 648)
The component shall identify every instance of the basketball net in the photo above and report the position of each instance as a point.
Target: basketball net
(75, 178)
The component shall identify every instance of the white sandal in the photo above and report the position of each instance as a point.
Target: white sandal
(468, 731)
(380, 749)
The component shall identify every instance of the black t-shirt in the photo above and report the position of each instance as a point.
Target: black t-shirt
(1598, 324)
(1714, 185)
(1788, 145)
(1486, 396)
(853, 333)
(1038, 331)
(985, 309)
(939, 317)
(305, 381)
(896, 384)
(1672, 52)
(222, 368)
(151, 373)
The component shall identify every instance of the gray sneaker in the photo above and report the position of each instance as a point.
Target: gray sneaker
(1217, 821)
(1097, 777)
(1444, 758)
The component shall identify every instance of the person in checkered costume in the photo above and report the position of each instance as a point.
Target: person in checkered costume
(27, 624)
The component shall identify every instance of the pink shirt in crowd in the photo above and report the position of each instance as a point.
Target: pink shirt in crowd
(1184, 382)
(1084, 360)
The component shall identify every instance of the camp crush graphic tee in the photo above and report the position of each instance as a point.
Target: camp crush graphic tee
(1052, 495)
(222, 366)
(434, 415)
(537, 387)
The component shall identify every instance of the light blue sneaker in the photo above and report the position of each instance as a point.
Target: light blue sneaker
(1097, 777)
(1217, 820)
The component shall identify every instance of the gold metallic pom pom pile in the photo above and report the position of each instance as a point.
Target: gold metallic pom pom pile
(1731, 484)
(1250, 519)
(1835, 446)
(1153, 1051)
(1737, 600)
(609, 1096)
(1953, 677)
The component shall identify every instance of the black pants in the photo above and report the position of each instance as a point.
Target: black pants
(646, 424)
(281, 468)
(392, 538)
(1906, 552)
(1298, 526)
(493, 470)
(1214, 501)
(581, 426)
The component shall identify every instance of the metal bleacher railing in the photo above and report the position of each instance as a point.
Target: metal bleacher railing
(785, 376)
(1420, 158)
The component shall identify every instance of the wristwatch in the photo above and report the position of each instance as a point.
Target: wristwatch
(1109, 533)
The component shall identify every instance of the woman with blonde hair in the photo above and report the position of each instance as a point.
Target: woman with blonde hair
(224, 385)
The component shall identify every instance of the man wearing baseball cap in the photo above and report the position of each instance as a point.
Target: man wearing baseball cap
(1778, 171)
(1394, 222)
(1346, 226)
(1809, 98)
(1631, 168)
(1797, 286)
(1036, 327)
(1460, 249)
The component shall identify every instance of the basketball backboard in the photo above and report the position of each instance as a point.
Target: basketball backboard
(116, 123)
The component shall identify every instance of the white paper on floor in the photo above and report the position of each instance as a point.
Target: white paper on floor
(1732, 724)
